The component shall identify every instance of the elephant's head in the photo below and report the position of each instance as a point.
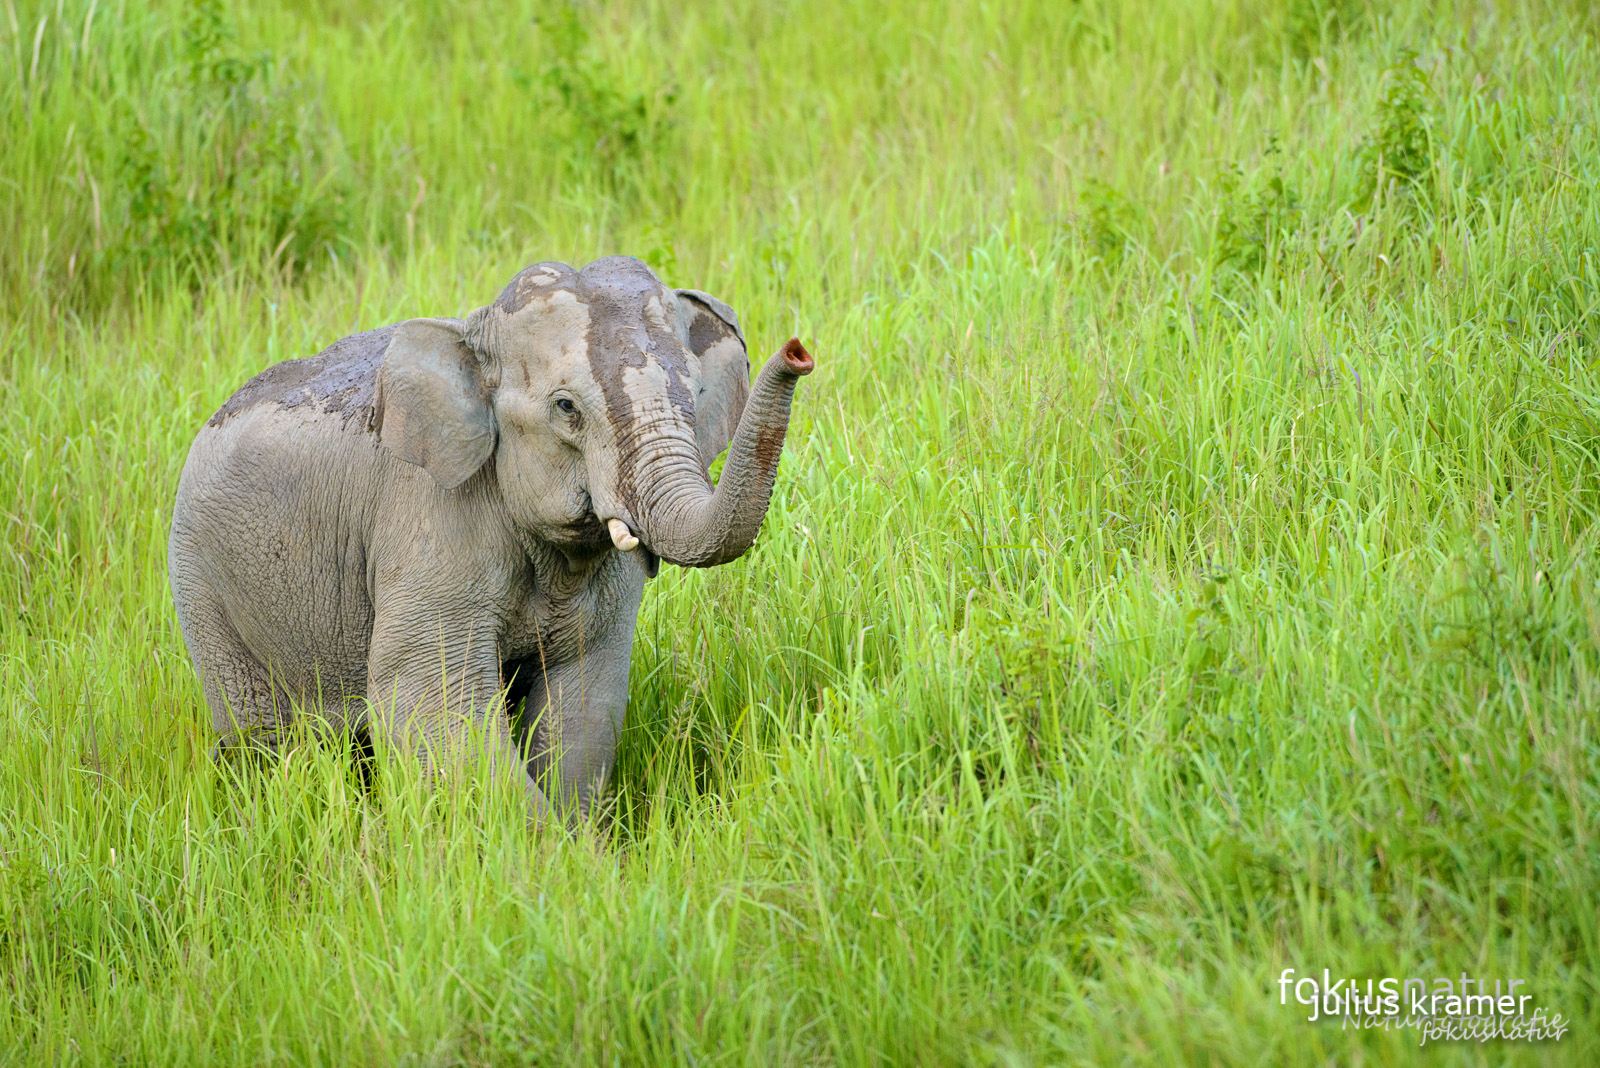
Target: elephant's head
(597, 399)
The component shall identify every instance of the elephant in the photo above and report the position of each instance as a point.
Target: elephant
(429, 525)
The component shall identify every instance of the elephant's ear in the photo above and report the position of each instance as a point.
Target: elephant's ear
(433, 405)
(712, 331)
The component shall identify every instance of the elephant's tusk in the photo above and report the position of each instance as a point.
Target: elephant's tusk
(620, 537)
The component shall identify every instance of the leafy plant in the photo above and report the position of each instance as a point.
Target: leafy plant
(1308, 25)
(1253, 220)
(615, 127)
(1106, 220)
(1210, 643)
(1501, 619)
(1398, 155)
(246, 175)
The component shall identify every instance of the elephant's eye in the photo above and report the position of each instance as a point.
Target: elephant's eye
(566, 406)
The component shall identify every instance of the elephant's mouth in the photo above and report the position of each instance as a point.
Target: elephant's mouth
(586, 532)
(591, 537)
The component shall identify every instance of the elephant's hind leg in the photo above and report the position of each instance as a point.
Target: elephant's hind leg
(250, 711)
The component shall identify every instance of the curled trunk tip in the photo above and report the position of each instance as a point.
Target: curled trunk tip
(796, 358)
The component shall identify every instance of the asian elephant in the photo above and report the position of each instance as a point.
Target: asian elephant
(426, 524)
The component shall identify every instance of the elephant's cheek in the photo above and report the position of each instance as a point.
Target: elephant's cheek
(545, 497)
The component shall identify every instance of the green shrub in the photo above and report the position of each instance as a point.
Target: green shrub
(1255, 216)
(234, 163)
(1106, 220)
(614, 127)
(146, 146)
(1397, 157)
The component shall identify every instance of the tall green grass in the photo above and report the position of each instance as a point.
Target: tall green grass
(1183, 566)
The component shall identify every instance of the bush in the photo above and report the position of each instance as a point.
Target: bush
(1398, 156)
(255, 181)
(1254, 217)
(151, 148)
(613, 127)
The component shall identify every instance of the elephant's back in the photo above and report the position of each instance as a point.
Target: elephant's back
(339, 381)
(274, 511)
(296, 443)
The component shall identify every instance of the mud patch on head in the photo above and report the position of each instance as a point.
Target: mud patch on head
(342, 379)
(541, 277)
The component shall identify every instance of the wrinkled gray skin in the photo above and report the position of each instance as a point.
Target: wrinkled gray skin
(408, 531)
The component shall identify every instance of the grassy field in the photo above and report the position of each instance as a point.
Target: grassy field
(1183, 567)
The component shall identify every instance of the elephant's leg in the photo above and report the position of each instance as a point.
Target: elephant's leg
(578, 708)
(249, 709)
(435, 692)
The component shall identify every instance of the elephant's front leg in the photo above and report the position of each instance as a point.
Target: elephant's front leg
(576, 710)
(433, 682)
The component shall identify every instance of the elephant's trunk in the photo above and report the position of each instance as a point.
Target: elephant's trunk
(686, 521)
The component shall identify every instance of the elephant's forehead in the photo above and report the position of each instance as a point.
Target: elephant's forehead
(561, 321)
(645, 374)
(632, 348)
(551, 330)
